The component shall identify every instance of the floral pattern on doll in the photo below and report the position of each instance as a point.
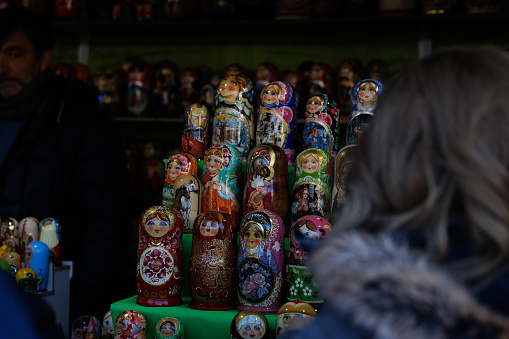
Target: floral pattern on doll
(130, 324)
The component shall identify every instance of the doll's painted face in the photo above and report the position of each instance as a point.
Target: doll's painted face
(305, 193)
(209, 228)
(108, 323)
(229, 89)
(174, 169)
(306, 232)
(167, 329)
(270, 94)
(368, 92)
(253, 237)
(29, 253)
(213, 164)
(251, 331)
(198, 116)
(120, 324)
(157, 227)
(310, 163)
(313, 105)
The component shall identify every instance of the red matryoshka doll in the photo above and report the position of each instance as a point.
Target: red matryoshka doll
(266, 186)
(169, 328)
(49, 233)
(165, 91)
(365, 95)
(221, 181)
(312, 189)
(212, 265)
(175, 166)
(195, 137)
(187, 200)
(234, 116)
(277, 122)
(260, 262)
(159, 266)
(321, 129)
(290, 310)
(343, 162)
(130, 324)
(249, 324)
(299, 280)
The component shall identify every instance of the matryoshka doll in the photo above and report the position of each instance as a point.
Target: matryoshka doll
(265, 73)
(159, 264)
(343, 162)
(221, 181)
(138, 89)
(169, 328)
(277, 121)
(165, 91)
(266, 186)
(249, 324)
(49, 233)
(130, 324)
(26, 279)
(234, 116)
(175, 166)
(288, 311)
(260, 261)
(321, 129)
(195, 137)
(9, 234)
(108, 331)
(212, 265)
(300, 282)
(37, 255)
(365, 96)
(187, 200)
(28, 231)
(311, 194)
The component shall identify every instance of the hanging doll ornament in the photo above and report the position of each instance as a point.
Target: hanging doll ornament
(159, 265)
(212, 266)
(234, 116)
(249, 324)
(260, 262)
(221, 180)
(169, 328)
(277, 121)
(290, 310)
(187, 200)
(175, 166)
(365, 96)
(266, 186)
(130, 324)
(311, 194)
(300, 284)
(195, 138)
(321, 129)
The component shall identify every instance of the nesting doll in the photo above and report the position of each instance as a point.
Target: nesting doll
(212, 266)
(195, 137)
(319, 80)
(348, 73)
(321, 129)
(343, 162)
(266, 186)
(108, 331)
(234, 115)
(26, 280)
(9, 234)
(159, 264)
(221, 180)
(277, 121)
(130, 324)
(265, 73)
(28, 231)
(175, 166)
(37, 258)
(165, 91)
(249, 324)
(138, 90)
(86, 326)
(14, 260)
(299, 280)
(169, 328)
(49, 233)
(260, 261)
(311, 194)
(365, 95)
(187, 200)
(290, 309)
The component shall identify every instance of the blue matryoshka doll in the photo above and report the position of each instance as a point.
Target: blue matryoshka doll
(277, 121)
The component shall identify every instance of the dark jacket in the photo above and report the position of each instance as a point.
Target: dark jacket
(374, 288)
(67, 163)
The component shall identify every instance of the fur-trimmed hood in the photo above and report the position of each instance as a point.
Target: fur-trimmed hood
(388, 291)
